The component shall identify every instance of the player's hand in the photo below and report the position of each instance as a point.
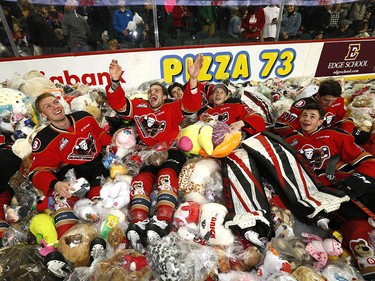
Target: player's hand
(64, 189)
(115, 70)
(236, 126)
(195, 68)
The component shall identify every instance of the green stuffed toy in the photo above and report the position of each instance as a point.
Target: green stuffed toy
(42, 226)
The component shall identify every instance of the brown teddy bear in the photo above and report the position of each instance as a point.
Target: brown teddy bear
(124, 265)
(75, 244)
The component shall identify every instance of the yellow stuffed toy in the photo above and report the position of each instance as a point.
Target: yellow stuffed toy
(200, 138)
(42, 226)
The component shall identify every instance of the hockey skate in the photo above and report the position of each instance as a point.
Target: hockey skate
(156, 230)
(136, 235)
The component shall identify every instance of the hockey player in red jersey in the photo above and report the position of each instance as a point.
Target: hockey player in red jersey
(329, 97)
(334, 156)
(69, 141)
(157, 120)
(233, 112)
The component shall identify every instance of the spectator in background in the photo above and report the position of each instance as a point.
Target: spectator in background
(180, 16)
(290, 23)
(271, 13)
(361, 32)
(234, 28)
(357, 10)
(343, 30)
(336, 15)
(75, 28)
(319, 19)
(35, 26)
(253, 24)
(318, 35)
(121, 18)
(207, 16)
(56, 16)
(21, 39)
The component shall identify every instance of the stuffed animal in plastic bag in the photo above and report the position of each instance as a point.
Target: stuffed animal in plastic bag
(320, 249)
(116, 194)
(75, 244)
(42, 226)
(272, 263)
(124, 265)
(186, 213)
(307, 273)
(202, 176)
(293, 250)
(124, 142)
(86, 210)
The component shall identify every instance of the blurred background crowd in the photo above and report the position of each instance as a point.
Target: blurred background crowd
(50, 29)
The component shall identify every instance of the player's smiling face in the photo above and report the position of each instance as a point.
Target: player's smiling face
(52, 109)
(156, 97)
(219, 96)
(310, 121)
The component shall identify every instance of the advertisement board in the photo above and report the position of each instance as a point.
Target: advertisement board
(237, 63)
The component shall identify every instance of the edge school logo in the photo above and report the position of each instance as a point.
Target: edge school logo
(353, 51)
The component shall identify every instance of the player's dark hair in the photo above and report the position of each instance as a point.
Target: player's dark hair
(174, 85)
(315, 106)
(330, 87)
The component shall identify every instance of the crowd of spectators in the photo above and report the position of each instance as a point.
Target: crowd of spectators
(48, 29)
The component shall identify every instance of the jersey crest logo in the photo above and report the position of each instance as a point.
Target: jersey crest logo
(315, 156)
(300, 104)
(84, 149)
(328, 119)
(149, 125)
(224, 117)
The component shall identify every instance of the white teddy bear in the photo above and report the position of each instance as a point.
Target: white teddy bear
(116, 194)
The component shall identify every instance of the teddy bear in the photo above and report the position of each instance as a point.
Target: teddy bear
(186, 213)
(116, 194)
(86, 210)
(292, 249)
(124, 265)
(238, 257)
(307, 273)
(75, 244)
(321, 249)
(124, 142)
(283, 220)
(201, 176)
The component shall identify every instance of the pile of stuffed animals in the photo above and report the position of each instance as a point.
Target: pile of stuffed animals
(93, 246)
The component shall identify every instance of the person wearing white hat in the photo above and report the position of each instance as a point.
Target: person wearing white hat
(75, 28)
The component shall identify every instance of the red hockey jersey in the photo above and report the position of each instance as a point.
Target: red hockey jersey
(320, 146)
(153, 126)
(54, 148)
(233, 110)
(288, 122)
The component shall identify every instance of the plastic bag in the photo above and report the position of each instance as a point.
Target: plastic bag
(22, 262)
(172, 258)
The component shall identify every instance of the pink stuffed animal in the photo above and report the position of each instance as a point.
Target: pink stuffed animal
(124, 141)
(320, 249)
